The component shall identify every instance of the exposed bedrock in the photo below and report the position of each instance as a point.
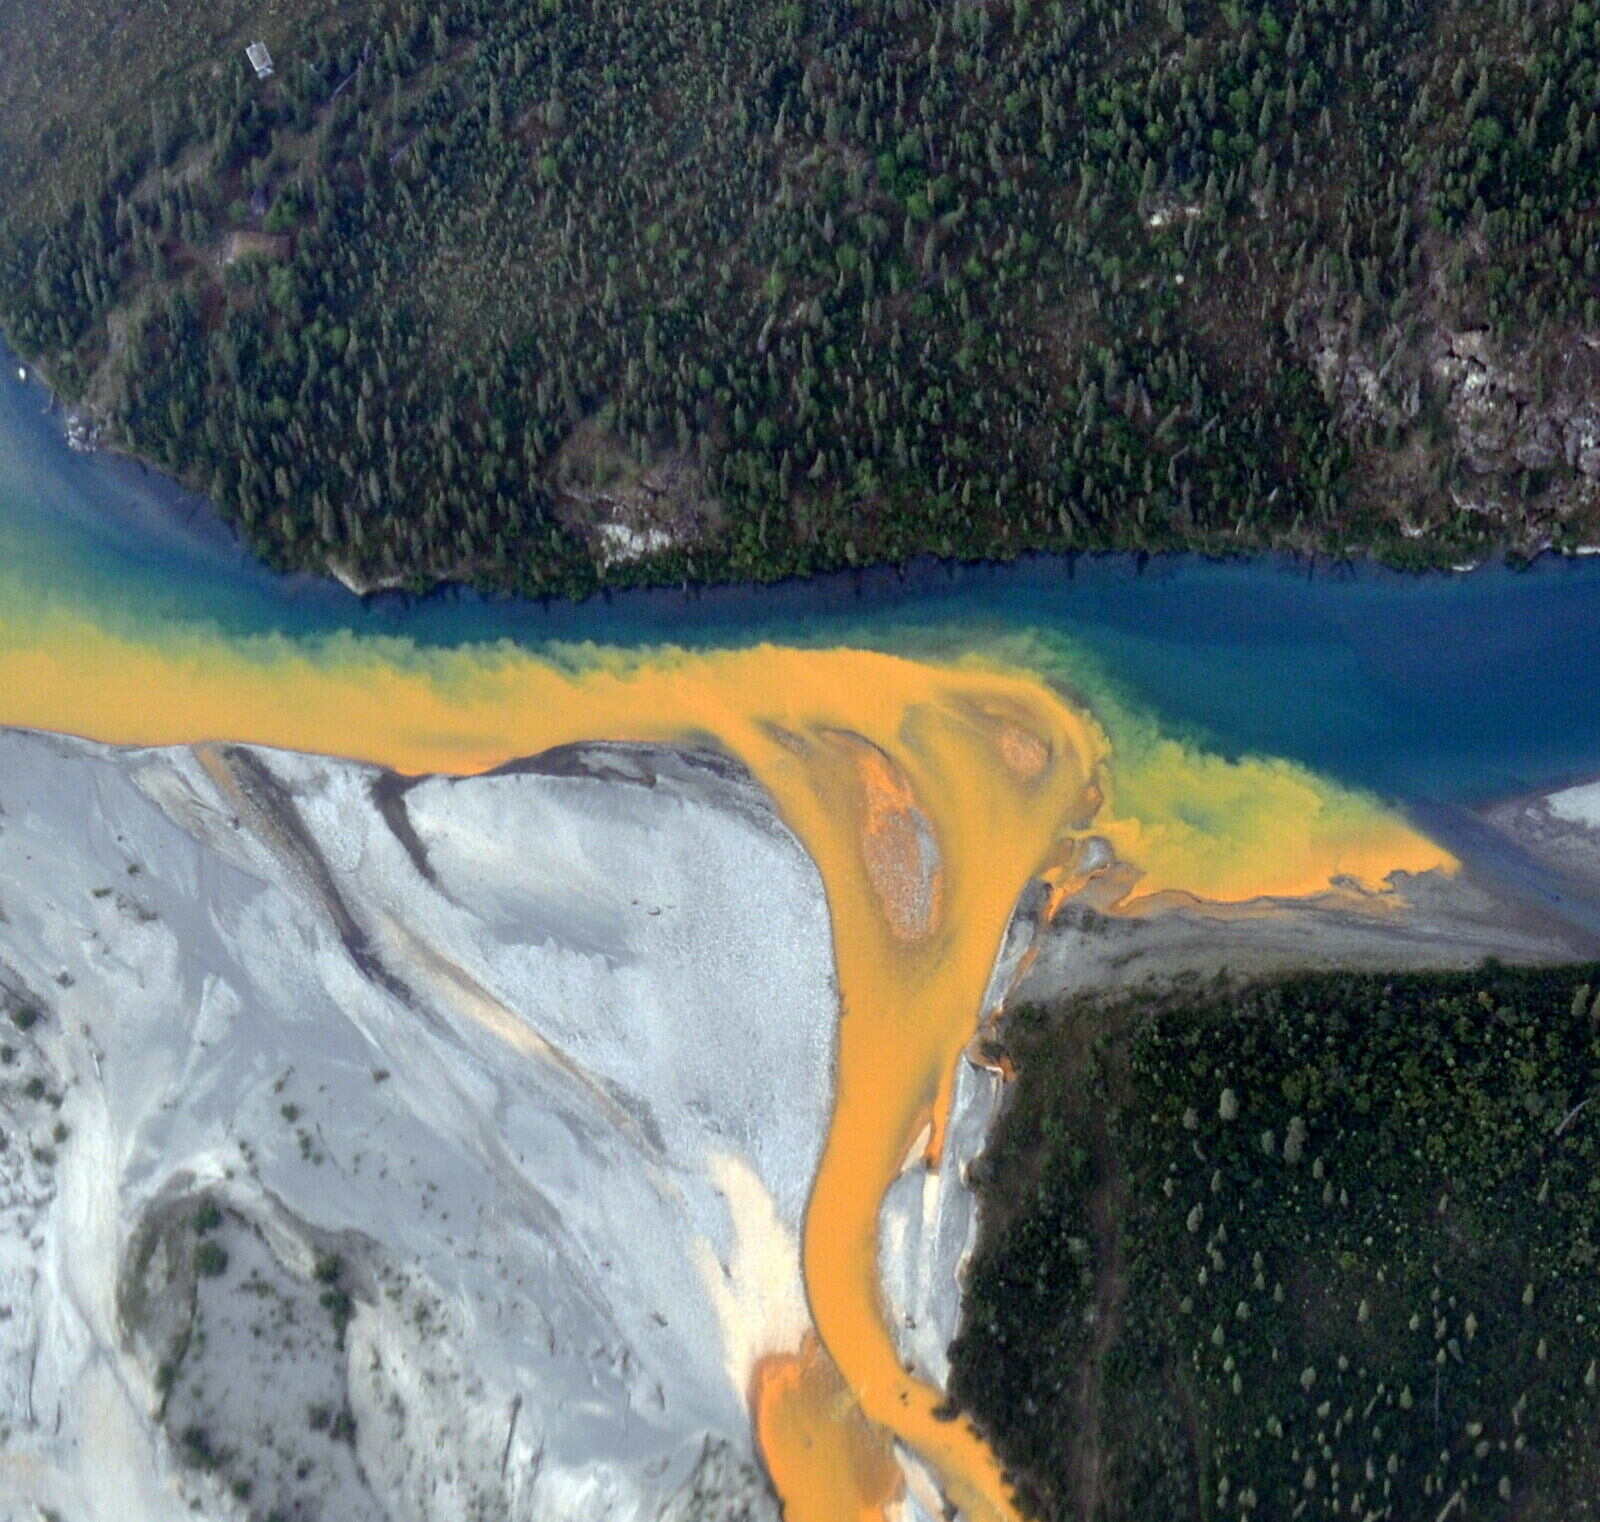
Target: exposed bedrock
(400, 1149)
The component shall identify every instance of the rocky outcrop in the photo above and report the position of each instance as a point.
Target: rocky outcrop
(1502, 420)
(1483, 410)
(626, 506)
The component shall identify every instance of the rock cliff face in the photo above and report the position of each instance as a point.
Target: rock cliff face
(1500, 415)
(398, 1149)
(1461, 410)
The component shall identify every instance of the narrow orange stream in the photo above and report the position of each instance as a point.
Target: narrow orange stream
(927, 795)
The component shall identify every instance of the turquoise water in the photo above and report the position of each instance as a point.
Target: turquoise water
(1424, 689)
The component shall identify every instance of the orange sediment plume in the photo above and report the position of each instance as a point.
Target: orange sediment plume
(910, 1004)
(927, 795)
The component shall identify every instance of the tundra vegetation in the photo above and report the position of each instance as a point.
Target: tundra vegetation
(1318, 1247)
(548, 296)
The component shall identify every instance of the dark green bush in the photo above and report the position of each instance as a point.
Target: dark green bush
(210, 1259)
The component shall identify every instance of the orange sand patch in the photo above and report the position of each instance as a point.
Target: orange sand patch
(898, 849)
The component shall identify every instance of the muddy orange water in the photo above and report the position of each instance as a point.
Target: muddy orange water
(928, 795)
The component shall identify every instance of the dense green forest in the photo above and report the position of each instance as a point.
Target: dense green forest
(548, 295)
(1319, 1247)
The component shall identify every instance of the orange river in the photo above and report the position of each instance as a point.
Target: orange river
(928, 795)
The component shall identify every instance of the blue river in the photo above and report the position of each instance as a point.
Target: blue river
(1438, 689)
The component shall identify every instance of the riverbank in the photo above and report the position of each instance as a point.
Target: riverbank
(1446, 688)
(971, 324)
(830, 586)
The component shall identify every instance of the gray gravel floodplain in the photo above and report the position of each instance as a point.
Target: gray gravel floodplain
(546, 1070)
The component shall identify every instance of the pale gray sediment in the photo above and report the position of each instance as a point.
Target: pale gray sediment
(1560, 832)
(1426, 920)
(928, 1222)
(548, 1069)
